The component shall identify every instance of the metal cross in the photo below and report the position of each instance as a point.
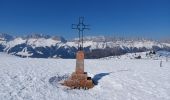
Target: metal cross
(80, 27)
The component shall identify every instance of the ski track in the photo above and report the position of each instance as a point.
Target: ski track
(123, 79)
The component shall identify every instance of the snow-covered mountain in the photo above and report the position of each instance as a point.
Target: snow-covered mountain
(45, 46)
(5, 37)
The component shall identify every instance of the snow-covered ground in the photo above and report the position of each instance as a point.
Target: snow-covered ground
(116, 79)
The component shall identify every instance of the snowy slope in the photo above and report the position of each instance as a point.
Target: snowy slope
(13, 43)
(159, 55)
(34, 42)
(42, 42)
(117, 79)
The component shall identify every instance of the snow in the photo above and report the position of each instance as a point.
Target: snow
(164, 53)
(2, 41)
(42, 42)
(39, 52)
(34, 42)
(166, 44)
(160, 55)
(24, 53)
(101, 45)
(13, 43)
(116, 79)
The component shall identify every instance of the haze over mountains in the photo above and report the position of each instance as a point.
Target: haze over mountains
(45, 46)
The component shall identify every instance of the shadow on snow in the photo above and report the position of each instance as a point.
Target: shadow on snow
(58, 78)
(99, 76)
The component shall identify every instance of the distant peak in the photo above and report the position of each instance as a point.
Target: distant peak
(35, 35)
(6, 37)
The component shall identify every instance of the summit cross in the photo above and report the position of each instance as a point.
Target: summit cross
(80, 27)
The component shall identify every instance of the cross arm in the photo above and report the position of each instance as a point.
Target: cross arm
(74, 26)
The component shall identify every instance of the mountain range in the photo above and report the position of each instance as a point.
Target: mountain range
(46, 46)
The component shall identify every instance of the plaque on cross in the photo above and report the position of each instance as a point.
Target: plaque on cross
(80, 27)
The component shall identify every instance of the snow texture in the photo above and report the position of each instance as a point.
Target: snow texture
(115, 79)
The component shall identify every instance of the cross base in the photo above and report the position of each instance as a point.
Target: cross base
(79, 78)
(79, 81)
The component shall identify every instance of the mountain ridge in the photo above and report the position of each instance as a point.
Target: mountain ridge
(46, 46)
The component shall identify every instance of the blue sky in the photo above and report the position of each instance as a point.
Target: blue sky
(127, 18)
